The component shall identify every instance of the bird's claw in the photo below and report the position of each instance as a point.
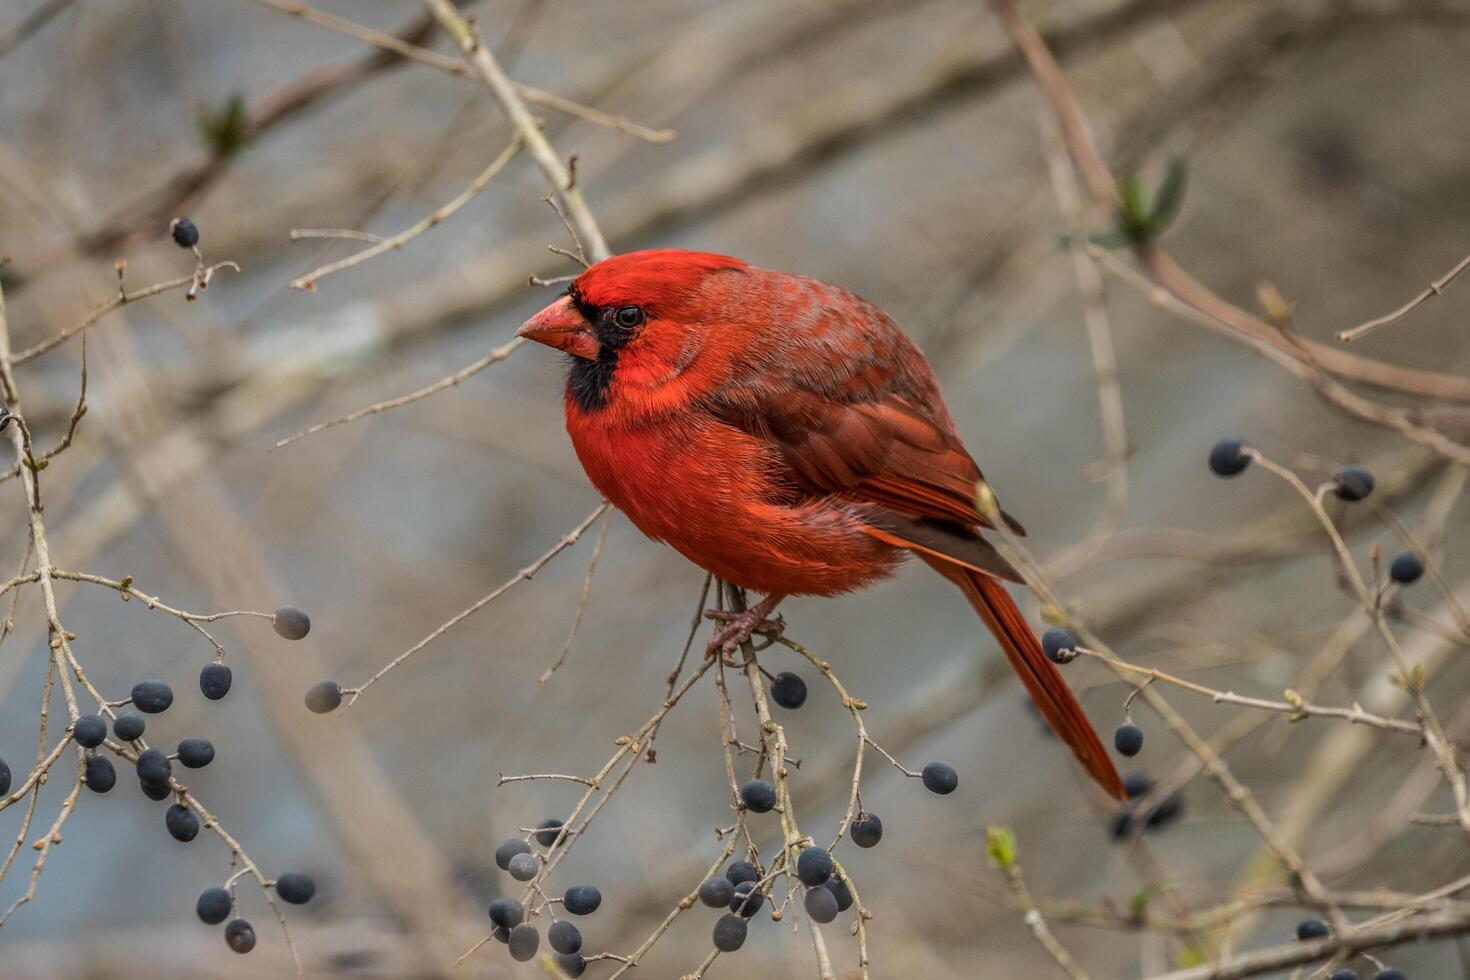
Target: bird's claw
(739, 627)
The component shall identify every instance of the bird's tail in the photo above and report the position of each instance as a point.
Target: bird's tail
(1042, 679)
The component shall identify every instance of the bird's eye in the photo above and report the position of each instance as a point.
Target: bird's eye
(629, 317)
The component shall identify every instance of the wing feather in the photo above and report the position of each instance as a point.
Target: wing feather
(853, 412)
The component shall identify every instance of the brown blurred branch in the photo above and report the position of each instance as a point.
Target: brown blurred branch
(403, 47)
(277, 108)
(1431, 926)
(1307, 359)
(31, 23)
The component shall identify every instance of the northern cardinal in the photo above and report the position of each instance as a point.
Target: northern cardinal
(785, 435)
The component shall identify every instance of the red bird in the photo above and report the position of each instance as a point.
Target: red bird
(785, 435)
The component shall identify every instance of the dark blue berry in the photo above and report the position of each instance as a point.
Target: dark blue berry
(101, 776)
(182, 825)
(730, 933)
(739, 871)
(5, 778)
(129, 726)
(240, 935)
(291, 622)
(156, 791)
(184, 232)
(1226, 458)
(1128, 739)
(1406, 569)
(940, 778)
(213, 906)
(90, 731)
(507, 912)
(295, 887)
(508, 849)
(820, 904)
(1352, 483)
(1058, 644)
(196, 753)
(789, 691)
(524, 940)
(573, 965)
(581, 899)
(324, 697)
(1312, 929)
(717, 892)
(154, 768)
(564, 937)
(152, 697)
(1167, 811)
(841, 892)
(523, 867)
(549, 830)
(758, 796)
(1390, 974)
(747, 899)
(813, 866)
(214, 681)
(867, 830)
(1344, 974)
(1125, 820)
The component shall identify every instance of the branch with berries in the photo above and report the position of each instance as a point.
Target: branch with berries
(87, 731)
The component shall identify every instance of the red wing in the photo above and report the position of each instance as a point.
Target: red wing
(911, 471)
(853, 412)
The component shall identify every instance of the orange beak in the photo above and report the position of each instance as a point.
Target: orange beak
(562, 326)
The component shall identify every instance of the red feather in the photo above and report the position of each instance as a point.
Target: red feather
(785, 435)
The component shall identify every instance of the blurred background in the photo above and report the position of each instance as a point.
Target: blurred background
(894, 147)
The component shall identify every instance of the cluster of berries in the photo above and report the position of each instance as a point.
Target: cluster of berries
(515, 856)
(743, 889)
(154, 768)
(216, 903)
(155, 774)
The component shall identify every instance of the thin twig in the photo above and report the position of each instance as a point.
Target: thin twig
(1114, 464)
(396, 242)
(1434, 735)
(302, 234)
(511, 101)
(566, 647)
(457, 67)
(1431, 291)
(495, 356)
(524, 575)
(1036, 924)
(123, 298)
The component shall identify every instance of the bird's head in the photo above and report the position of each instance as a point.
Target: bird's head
(640, 317)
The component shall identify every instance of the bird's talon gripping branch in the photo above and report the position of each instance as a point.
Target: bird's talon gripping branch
(741, 626)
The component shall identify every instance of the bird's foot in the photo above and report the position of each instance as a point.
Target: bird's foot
(741, 626)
